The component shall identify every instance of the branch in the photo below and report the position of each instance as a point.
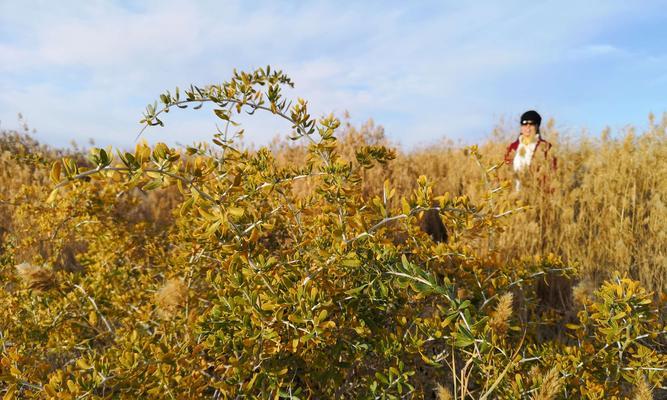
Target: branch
(256, 106)
(92, 301)
(125, 169)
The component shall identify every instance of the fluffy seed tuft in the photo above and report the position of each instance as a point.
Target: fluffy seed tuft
(171, 297)
(500, 317)
(583, 292)
(642, 390)
(37, 278)
(550, 386)
(442, 393)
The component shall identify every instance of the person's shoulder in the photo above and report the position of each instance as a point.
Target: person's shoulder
(545, 143)
(513, 145)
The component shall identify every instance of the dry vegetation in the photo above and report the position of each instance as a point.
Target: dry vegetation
(301, 272)
(605, 208)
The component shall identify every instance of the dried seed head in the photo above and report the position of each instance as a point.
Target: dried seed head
(550, 386)
(499, 320)
(442, 393)
(642, 390)
(583, 292)
(37, 278)
(171, 297)
(534, 371)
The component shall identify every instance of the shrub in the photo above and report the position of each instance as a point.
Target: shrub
(257, 291)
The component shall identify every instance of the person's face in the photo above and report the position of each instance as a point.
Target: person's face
(528, 130)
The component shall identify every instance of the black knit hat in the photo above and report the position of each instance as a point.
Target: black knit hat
(531, 117)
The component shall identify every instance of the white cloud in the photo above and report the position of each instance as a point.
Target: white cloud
(597, 50)
(393, 61)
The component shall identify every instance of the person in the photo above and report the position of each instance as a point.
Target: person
(523, 152)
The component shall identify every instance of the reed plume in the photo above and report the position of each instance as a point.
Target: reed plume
(642, 390)
(171, 297)
(550, 386)
(442, 393)
(500, 317)
(37, 278)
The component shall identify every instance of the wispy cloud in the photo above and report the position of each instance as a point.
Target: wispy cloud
(423, 70)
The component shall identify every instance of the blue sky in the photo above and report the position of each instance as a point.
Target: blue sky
(424, 70)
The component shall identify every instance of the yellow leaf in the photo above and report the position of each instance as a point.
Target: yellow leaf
(52, 196)
(81, 363)
(92, 318)
(351, 263)
(50, 390)
(236, 211)
(11, 390)
(73, 387)
(56, 169)
(405, 205)
(328, 325)
(250, 383)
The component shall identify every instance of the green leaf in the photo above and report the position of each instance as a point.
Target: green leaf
(357, 290)
(464, 305)
(350, 263)
(464, 337)
(463, 341)
(381, 378)
(619, 315)
(222, 114)
(152, 185)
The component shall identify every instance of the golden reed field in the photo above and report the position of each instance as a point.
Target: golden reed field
(606, 206)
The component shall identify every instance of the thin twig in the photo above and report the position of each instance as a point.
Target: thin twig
(92, 301)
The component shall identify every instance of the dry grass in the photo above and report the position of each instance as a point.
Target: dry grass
(605, 207)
